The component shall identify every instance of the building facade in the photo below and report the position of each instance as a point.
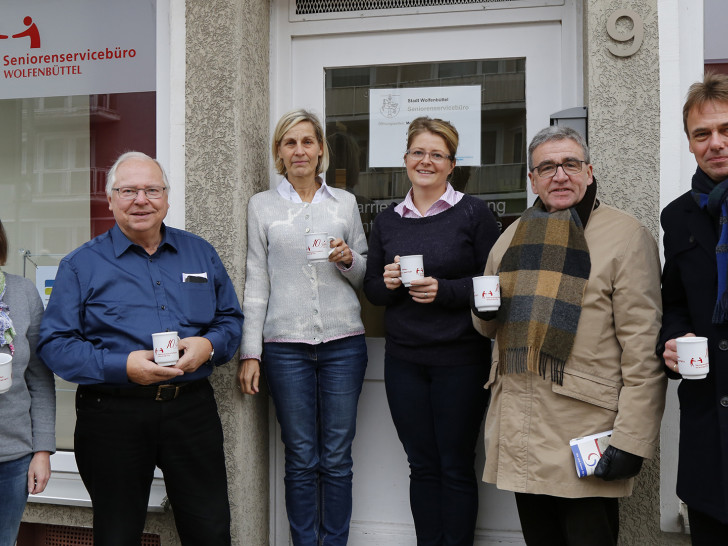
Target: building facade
(225, 70)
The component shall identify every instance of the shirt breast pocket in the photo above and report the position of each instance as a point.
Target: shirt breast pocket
(198, 302)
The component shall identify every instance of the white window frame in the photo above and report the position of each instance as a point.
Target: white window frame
(681, 64)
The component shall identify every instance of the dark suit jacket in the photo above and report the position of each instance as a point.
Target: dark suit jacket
(689, 286)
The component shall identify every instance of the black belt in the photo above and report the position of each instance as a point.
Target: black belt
(160, 393)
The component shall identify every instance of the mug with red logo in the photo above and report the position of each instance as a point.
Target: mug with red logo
(166, 350)
(411, 268)
(486, 292)
(6, 372)
(318, 247)
(692, 357)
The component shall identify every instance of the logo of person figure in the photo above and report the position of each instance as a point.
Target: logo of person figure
(694, 360)
(31, 32)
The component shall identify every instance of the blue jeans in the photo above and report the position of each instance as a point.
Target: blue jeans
(437, 411)
(315, 389)
(13, 495)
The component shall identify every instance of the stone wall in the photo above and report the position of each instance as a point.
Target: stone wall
(226, 157)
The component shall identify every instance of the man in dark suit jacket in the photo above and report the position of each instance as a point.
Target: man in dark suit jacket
(695, 302)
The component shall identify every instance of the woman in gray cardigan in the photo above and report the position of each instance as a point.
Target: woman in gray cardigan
(302, 318)
(28, 409)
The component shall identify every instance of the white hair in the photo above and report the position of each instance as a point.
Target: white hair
(111, 176)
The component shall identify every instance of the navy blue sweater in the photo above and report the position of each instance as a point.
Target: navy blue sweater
(455, 246)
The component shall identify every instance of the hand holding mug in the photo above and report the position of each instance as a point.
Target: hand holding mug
(392, 275)
(341, 252)
(670, 354)
(423, 290)
(141, 369)
(196, 351)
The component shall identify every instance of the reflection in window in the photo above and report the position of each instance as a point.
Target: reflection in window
(54, 154)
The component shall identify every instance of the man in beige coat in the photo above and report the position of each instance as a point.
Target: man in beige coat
(575, 350)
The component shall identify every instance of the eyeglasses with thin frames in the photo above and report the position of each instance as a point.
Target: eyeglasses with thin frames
(570, 166)
(435, 157)
(129, 194)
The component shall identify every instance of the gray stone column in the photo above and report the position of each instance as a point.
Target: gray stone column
(226, 156)
(623, 96)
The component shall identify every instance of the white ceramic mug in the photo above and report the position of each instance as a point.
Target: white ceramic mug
(166, 348)
(6, 372)
(318, 248)
(486, 292)
(692, 357)
(411, 268)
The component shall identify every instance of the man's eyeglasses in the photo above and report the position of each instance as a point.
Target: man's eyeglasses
(129, 194)
(570, 166)
(435, 157)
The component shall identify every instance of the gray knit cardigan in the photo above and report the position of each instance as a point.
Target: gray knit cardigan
(28, 409)
(287, 299)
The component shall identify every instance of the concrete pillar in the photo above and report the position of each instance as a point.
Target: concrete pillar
(226, 155)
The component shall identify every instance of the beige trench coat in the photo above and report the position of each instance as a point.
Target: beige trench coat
(612, 380)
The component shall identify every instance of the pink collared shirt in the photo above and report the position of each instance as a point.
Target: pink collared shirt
(407, 209)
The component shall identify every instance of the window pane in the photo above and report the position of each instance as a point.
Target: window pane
(501, 178)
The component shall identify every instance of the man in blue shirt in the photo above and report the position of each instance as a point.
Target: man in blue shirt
(110, 295)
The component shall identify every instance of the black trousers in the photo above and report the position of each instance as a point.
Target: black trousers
(118, 442)
(556, 521)
(705, 530)
(437, 411)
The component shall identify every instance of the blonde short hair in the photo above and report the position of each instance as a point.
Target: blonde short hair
(285, 124)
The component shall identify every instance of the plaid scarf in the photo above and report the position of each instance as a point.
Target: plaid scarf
(543, 277)
(712, 197)
(7, 332)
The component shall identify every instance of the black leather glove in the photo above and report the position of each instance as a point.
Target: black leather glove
(482, 315)
(616, 464)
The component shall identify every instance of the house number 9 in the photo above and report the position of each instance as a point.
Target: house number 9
(637, 32)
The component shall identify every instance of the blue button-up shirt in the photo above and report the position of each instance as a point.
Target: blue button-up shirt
(110, 296)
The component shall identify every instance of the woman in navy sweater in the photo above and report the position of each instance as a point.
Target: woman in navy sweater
(435, 362)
